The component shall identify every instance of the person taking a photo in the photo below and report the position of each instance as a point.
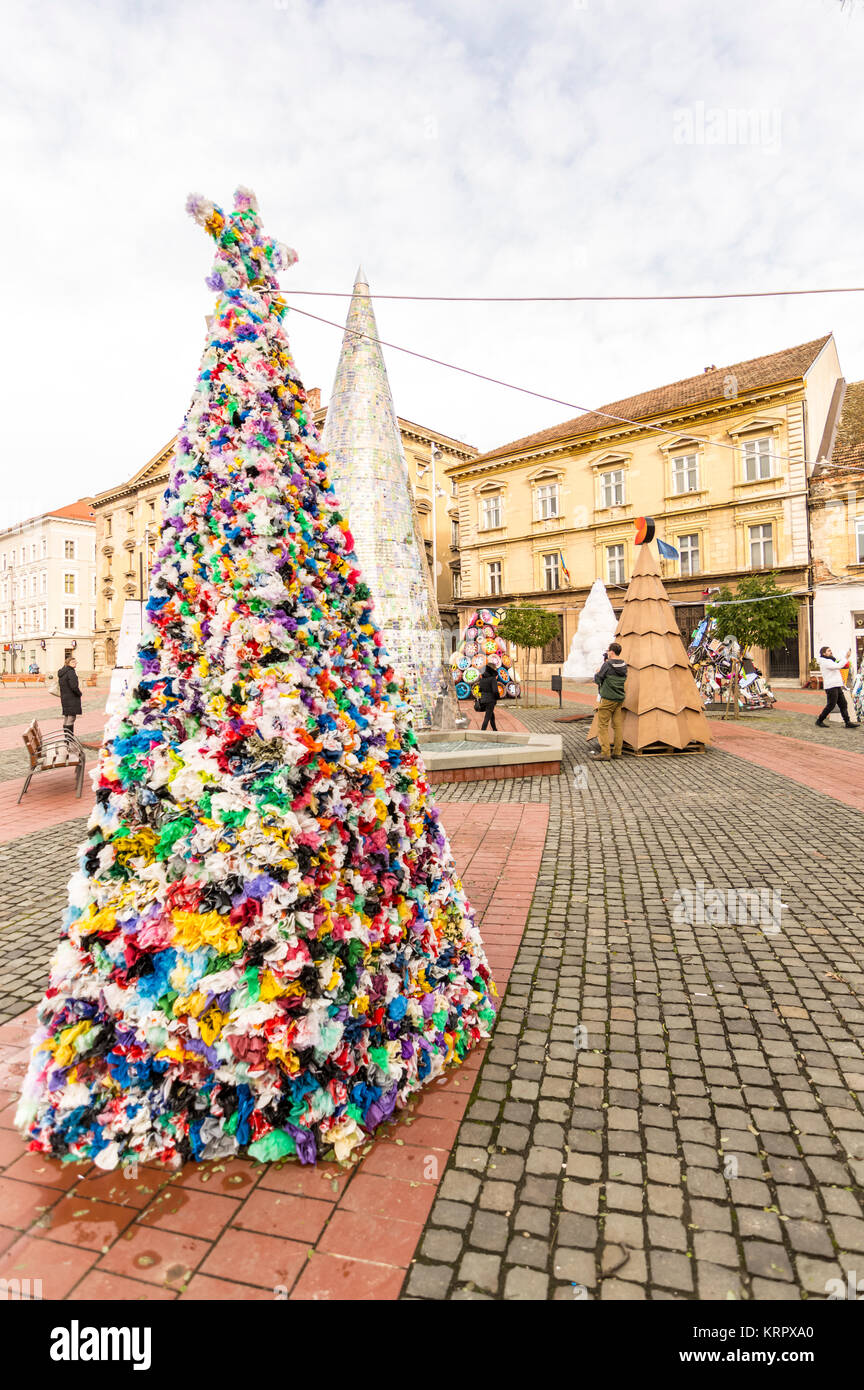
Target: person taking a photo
(611, 678)
(832, 683)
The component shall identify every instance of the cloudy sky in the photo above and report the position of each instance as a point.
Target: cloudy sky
(485, 147)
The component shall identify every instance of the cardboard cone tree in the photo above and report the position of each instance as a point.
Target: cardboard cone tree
(662, 706)
(266, 948)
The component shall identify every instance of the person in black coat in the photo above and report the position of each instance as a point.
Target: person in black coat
(70, 694)
(488, 697)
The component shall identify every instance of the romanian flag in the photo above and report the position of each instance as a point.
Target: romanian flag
(564, 570)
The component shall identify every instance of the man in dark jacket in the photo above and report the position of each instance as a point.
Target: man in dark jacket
(70, 694)
(611, 677)
(488, 697)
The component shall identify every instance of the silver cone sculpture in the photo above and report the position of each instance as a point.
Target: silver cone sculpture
(370, 477)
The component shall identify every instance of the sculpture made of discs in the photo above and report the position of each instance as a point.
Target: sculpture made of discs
(480, 647)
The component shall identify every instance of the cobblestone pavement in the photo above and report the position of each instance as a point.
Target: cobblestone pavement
(34, 872)
(789, 723)
(703, 1136)
(794, 725)
(50, 711)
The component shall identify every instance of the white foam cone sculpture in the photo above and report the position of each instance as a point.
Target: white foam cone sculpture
(596, 629)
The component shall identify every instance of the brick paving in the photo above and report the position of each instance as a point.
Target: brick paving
(702, 1138)
(240, 1230)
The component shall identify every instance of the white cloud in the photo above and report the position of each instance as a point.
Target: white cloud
(524, 147)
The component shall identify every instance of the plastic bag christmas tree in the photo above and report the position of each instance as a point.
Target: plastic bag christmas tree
(266, 947)
(481, 647)
(596, 629)
(370, 475)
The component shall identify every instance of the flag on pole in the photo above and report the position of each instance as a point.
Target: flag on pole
(666, 550)
(565, 571)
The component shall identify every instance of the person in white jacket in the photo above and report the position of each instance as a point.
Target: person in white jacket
(832, 683)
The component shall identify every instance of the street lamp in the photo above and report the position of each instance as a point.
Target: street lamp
(434, 455)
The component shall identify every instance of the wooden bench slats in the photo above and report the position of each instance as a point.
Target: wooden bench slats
(53, 752)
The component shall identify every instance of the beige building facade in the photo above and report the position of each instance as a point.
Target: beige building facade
(720, 461)
(48, 590)
(127, 519)
(837, 532)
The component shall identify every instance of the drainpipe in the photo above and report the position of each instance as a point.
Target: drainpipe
(809, 539)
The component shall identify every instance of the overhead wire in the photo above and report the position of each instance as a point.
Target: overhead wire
(538, 395)
(577, 298)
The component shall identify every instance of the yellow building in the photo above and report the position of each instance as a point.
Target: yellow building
(837, 531)
(719, 461)
(128, 517)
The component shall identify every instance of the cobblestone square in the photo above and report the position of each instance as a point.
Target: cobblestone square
(670, 1105)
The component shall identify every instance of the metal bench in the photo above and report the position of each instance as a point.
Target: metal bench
(52, 752)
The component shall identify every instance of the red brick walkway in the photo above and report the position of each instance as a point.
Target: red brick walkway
(239, 1230)
(827, 770)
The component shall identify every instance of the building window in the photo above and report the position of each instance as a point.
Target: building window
(93, 619)
(685, 475)
(68, 583)
(107, 526)
(108, 607)
(33, 550)
(33, 585)
(551, 572)
(546, 502)
(615, 564)
(69, 550)
(688, 549)
(761, 546)
(493, 574)
(43, 582)
(44, 547)
(69, 619)
(454, 535)
(457, 583)
(757, 458)
(612, 488)
(491, 513)
(859, 541)
(44, 619)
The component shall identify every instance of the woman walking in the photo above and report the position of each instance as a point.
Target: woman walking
(832, 684)
(488, 697)
(70, 695)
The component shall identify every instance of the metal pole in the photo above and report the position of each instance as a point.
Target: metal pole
(433, 453)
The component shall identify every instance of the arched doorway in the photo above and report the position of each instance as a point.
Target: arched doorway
(110, 652)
